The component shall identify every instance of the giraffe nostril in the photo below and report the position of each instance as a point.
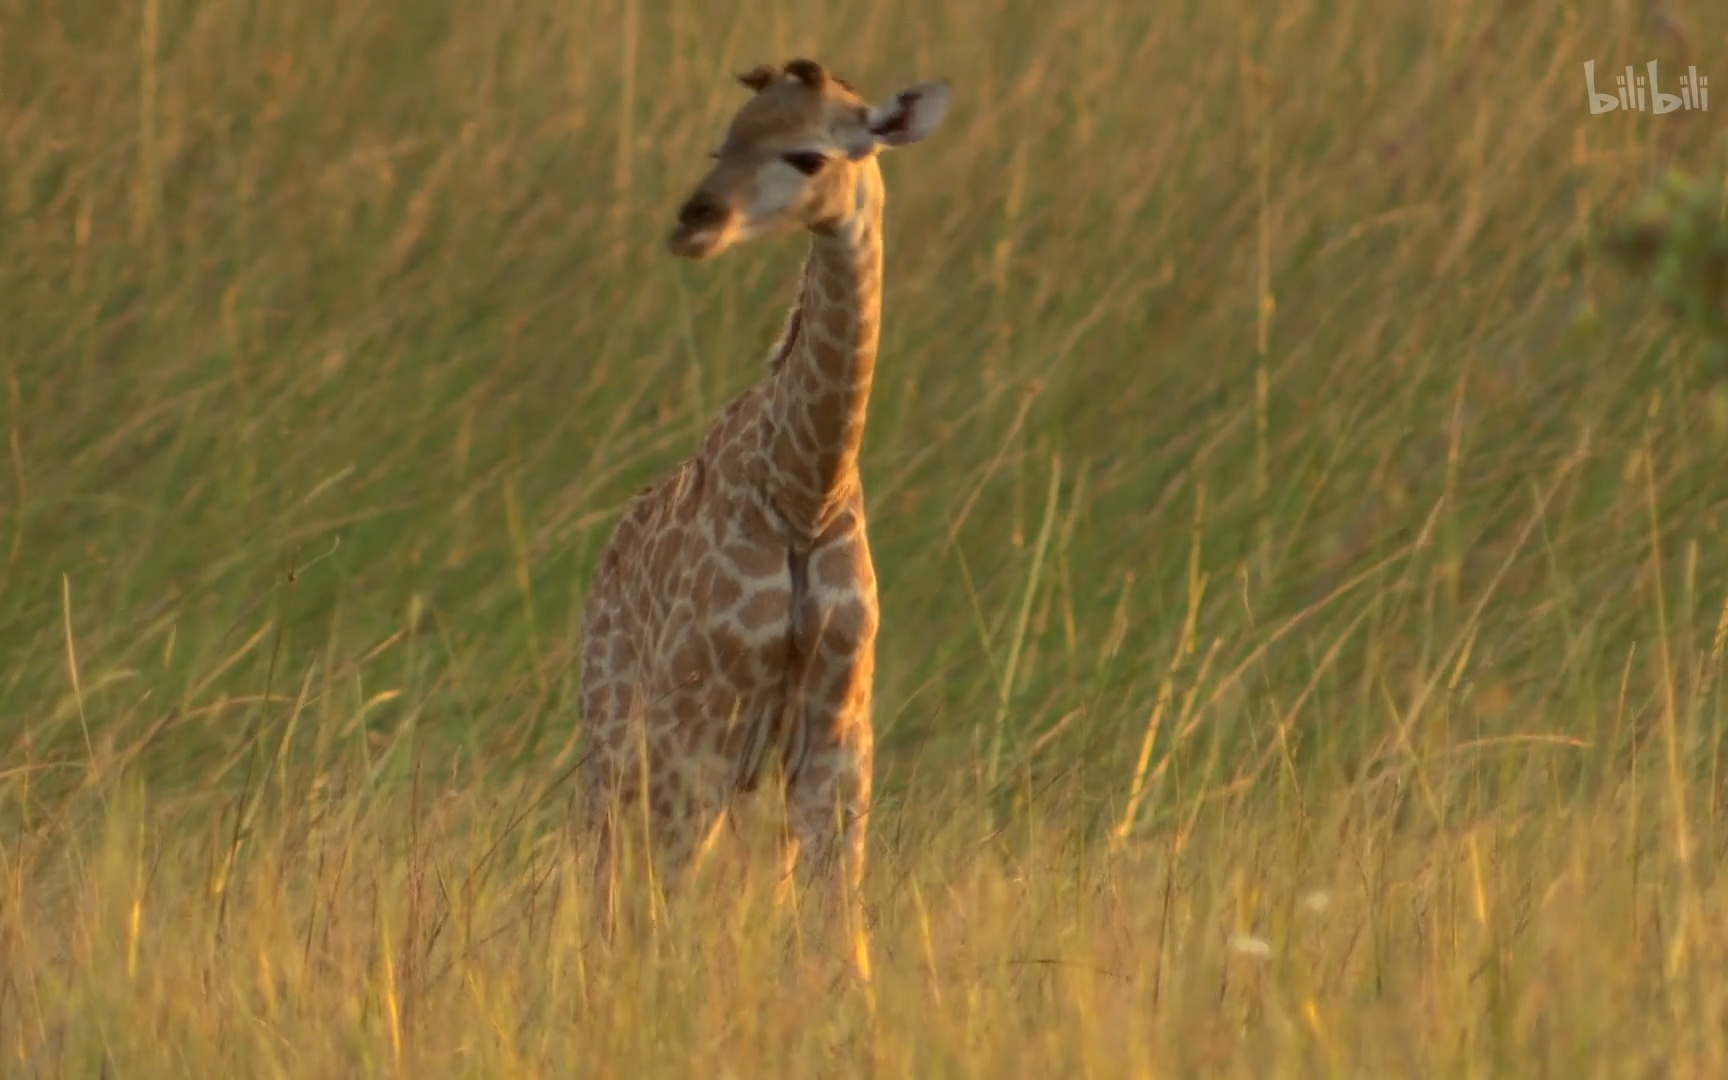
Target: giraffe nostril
(700, 211)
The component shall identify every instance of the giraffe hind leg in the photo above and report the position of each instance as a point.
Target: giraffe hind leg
(651, 835)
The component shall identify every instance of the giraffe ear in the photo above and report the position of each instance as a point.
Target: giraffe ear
(911, 116)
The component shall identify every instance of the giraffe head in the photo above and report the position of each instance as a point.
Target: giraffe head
(795, 156)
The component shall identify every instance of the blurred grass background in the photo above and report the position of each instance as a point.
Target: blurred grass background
(1280, 535)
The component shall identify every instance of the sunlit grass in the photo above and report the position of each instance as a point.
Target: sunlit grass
(1367, 936)
(1305, 589)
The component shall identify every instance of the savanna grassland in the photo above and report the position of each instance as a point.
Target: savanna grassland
(1304, 581)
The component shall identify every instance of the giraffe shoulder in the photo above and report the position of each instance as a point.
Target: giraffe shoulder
(732, 437)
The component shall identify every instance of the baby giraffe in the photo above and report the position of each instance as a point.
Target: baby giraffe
(732, 619)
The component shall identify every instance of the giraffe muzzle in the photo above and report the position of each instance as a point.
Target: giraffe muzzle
(702, 223)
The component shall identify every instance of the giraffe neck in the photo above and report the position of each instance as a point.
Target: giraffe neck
(820, 383)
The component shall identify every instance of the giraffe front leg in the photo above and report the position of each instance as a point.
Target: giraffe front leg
(828, 801)
(828, 806)
(830, 752)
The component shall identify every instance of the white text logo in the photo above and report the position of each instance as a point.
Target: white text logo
(1631, 87)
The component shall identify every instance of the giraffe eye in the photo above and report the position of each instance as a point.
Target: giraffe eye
(808, 162)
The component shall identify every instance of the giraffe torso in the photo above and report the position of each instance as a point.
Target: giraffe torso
(690, 638)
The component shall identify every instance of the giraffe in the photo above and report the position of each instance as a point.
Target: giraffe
(731, 622)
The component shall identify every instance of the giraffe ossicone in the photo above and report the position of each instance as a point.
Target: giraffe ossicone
(731, 621)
